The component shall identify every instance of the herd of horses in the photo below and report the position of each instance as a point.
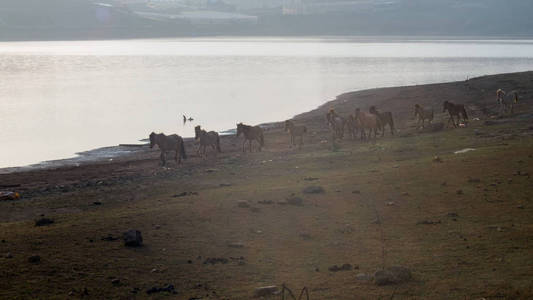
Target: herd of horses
(359, 123)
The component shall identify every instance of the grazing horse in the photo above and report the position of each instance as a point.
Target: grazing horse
(251, 133)
(210, 138)
(352, 126)
(385, 118)
(457, 110)
(368, 121)
(507, 101)
(167, 143)
(336, 123)
(423, 114)
(295, 131)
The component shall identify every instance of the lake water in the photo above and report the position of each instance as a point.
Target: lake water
(59, 98)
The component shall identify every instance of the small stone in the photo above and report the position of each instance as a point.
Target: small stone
(297, 201)
(437, 159)
(132, 238)
(44, 222)
(356, 192)
(115, 282)
(392, 275)
(243, 204)
(363, 277)
(8, 255)
(344, 267)
(405, 194)
(459, 192)
(34, 259)
(265, 202)
(266, 291)
(444, 183)
(96, 203)
(305, 236)
(313, 190)
(157, 226)
(474, 180)
(520, 207)
(390, 203)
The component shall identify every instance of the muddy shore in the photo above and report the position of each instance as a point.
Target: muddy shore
(462, 225)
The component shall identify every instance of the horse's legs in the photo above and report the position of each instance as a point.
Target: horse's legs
(250, 144)
(244, 145)
(162, 158)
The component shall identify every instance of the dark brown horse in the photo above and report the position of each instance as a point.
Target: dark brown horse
(251, 133)
(167, 143)
(423, 114)
(385, 118)
(455, 110)
(210, 138)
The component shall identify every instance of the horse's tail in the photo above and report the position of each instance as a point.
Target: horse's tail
(183, 154)
(218, 144)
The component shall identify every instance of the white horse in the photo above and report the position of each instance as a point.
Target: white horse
(506, 101)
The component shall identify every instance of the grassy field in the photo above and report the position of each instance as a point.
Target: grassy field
(461, 223)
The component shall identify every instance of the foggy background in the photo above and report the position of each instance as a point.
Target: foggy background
(96, 19)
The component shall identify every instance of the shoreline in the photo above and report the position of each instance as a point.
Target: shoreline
(123, 151)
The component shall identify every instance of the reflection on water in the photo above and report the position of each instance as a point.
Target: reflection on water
(58, 98)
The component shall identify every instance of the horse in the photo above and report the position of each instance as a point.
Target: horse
(384, 119)
(457, 110)
(368, 121)
(336, 123)
(352, 126)
(167, 143)
(251, 133)
(295, 131)
(423, 114)
(210, 138)
(507, 101)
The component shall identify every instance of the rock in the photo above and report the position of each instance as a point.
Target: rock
(266, 291)
(297, 201)
(211, 170)
(428, 222)
(345, 267)
(453, 215)
(167, 288)
(305, 236)
(236, 245)
(109, 238)
(215, 260)
(133, 238)
(183, 194)
(459, 192)
(265, 202)
(444, 183)
(363, 277)
(310, 178)
(392, 275)
(474, 180)
(8, 255)
(390, 203)
(225, 184)
(405, 194)
(96, 203)
(243, 204)
(115, 282)
(34, 259)
(313, 190)
(356, 192)
(43, 222)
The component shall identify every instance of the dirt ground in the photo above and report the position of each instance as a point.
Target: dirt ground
(218, 228)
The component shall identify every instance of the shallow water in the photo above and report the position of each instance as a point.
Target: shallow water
(59, 98)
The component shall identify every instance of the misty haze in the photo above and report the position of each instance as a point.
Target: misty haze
(266, 149)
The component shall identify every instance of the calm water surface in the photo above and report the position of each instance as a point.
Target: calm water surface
(59, 98)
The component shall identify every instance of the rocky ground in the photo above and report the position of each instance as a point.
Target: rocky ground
(401, 217)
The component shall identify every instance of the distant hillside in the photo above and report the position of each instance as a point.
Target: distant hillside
(84, 19)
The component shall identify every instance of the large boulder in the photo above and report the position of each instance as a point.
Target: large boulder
(133, 238)
(392, 275)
